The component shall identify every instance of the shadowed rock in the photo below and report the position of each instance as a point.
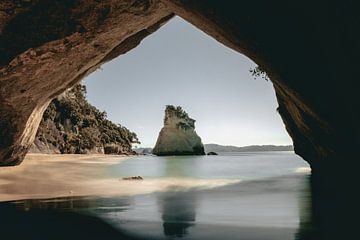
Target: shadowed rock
(47, 47)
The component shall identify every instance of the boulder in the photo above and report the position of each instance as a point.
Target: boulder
(212, 153)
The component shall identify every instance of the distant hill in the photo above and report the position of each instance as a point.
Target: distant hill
(252, 148)
(220, 148)
(143, 150)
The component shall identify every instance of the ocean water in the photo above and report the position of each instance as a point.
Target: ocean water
(241, 166)
(263, 195)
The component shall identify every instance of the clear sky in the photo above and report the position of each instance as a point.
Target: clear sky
(181, 65)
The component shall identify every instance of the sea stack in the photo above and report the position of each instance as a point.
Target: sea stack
(178, 136)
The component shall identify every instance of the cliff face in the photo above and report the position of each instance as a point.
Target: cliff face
(47, 47)
(71, 125)
(178, 136)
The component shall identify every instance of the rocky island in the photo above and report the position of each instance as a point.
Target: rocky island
(178, 136)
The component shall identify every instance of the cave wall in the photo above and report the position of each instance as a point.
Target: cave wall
(47, 46)
(309, 49)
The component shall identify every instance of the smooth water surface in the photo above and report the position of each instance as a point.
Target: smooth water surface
(244, 166)
(234, 196)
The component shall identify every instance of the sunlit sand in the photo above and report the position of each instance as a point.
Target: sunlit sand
(50, 176)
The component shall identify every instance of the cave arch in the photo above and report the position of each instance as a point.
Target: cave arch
(290, 42)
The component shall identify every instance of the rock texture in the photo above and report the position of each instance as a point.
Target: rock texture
(178, 136)
(47, 46)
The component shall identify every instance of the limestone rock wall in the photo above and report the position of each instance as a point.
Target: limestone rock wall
(310, 52)
(48, 46)
(178, 136)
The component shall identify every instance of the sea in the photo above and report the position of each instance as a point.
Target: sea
(253, 195)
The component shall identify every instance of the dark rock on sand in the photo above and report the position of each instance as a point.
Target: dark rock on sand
(212, 153)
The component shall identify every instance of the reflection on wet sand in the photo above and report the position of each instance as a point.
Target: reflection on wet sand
(182, 216)
(178, 212)
(294, 207)
(177, 207)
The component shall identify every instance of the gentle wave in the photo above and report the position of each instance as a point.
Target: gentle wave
(303, 170)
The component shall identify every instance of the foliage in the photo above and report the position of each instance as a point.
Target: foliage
(259, 72)
(80, 127)
(180, 113)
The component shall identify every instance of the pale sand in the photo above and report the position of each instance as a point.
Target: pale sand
(52, 176)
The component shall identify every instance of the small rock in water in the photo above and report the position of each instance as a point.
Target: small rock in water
(133, 178)
(212, 153)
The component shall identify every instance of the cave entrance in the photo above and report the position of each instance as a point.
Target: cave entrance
(39, 65)
(182, 66)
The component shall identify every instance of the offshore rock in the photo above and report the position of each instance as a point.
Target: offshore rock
(178, 136)
(212, 153)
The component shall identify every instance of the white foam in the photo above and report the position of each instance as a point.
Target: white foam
(303, 170)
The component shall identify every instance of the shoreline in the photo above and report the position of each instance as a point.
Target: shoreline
(78, 156)
(54, 175)
(47, 176)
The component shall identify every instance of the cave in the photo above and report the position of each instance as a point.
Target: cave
(308, 49)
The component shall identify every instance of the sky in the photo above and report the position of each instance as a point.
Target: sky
(182, 66)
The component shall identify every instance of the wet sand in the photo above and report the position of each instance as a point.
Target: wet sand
(273, 209)
(78, 197)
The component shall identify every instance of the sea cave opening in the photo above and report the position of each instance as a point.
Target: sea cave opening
(233, 106)
(45, 50)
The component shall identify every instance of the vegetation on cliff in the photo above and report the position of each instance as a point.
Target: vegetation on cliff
(181, 114)
(72, 125)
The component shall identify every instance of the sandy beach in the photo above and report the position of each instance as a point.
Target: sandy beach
(53, 176)
(248, 196)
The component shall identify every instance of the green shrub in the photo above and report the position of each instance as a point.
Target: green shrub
(90, 126)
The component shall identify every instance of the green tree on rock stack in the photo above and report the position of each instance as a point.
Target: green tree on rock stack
(178, 136)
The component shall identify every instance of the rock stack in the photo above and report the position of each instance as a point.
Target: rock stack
(178, 136)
